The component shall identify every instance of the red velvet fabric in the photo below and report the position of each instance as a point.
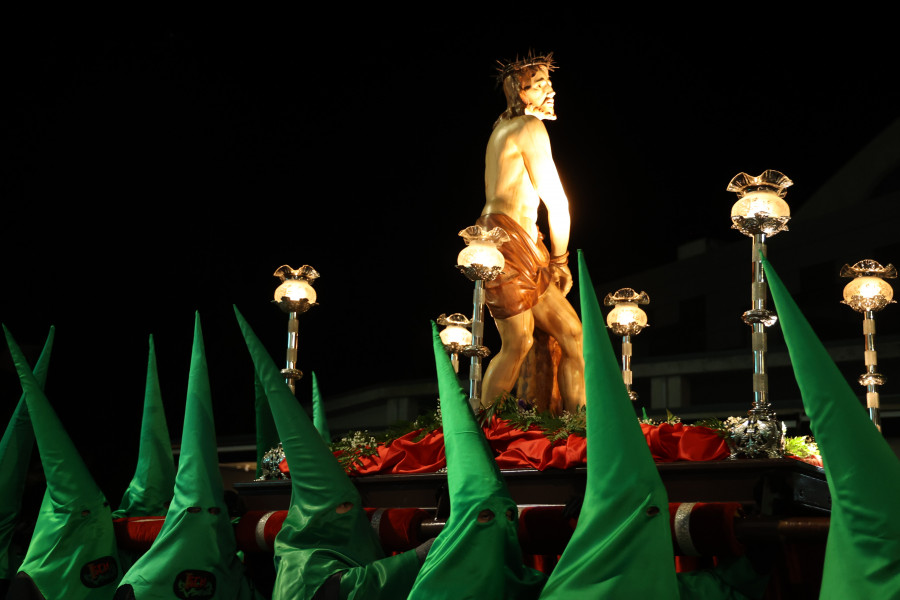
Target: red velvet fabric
(516, 449)
(543, 531)
(137, 533)
(398, 528)
(711, 528)
(814, 460)
(403, 455)
(245, 530)
(670, 443)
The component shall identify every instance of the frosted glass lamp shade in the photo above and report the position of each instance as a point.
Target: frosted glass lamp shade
(868, 287)
(456, 334)
(295, 290)
(482, 253)
(759, 204)
(626, 315)
(868, 293)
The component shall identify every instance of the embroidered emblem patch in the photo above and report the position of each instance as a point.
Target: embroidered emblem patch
(99, 572)
(193, 583)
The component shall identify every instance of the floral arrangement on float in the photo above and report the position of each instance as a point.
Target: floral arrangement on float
(522, 437)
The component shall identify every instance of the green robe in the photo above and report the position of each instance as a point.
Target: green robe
(622, 546)
(862, 554)
(151, 488)
(73, 552)
(477, 555)
(195, 554)
(15, 456)
(316, 541)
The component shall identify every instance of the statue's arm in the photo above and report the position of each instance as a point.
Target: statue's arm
(534, 144)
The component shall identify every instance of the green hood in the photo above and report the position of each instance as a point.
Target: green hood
(315, 541)
(15, 455)
(622, 547)
(862, 555)
(153, 483)
(472, 558)
(266, 434)
(72, 553)
(194, 554)
(318, 408)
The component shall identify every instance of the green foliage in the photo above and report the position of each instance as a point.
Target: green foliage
(504, 405)
(802, 446)
(353, 447)
(671, 418)
(424, 424)
(569, 424)
(525, 417)
(715, 424)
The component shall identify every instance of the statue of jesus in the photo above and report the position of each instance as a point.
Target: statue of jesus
(519, 174)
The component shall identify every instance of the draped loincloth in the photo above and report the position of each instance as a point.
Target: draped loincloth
(526, 274)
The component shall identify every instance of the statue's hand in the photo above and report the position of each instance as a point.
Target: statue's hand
(562, 277)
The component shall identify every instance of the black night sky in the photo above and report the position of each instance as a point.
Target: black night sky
(151, 171)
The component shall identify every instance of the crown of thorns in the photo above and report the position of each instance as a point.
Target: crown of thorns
(532, 60)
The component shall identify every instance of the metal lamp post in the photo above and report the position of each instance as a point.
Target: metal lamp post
(868, 293)
(627, 319)
(479, 261)
(759, 213)
(294, 296)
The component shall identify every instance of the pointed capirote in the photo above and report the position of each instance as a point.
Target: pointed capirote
(195, 553)
(266, 433)
(621, 547)
(318, 410)
(862, 554)
(15, 455)
(72, 553)
(477, 554)
(326, 532)
(324, 481)
(152, 486)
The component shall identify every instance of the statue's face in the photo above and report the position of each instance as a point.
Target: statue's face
(537, 94)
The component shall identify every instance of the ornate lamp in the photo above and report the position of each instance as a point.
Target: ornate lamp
(455, 335)
(867, 293)
(294, 296)
(627, 319)
(479, 261)
(760, 211)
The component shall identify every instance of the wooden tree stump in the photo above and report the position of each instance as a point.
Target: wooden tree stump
(537, 383)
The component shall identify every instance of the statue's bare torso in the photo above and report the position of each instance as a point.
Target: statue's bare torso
(507, 186)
